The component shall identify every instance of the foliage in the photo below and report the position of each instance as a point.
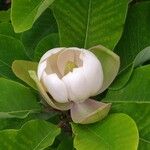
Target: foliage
(31, 27)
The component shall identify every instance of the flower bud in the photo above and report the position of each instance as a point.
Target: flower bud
(72, 75)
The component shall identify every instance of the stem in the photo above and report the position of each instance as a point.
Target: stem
(64, 124)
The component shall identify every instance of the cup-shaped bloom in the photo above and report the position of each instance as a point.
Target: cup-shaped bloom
(68, 77)
(70, 74)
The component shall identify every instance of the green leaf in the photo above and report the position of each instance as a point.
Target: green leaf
(125, 74)
(35, 134)
(117, 132)
(5, 15)
(136, 91)
(25, 12)
(66, 143)
(122, 78)
(10, 50)
(7, 139)
(136, 36)
(21, 68)
(47, 43)
(16, 100)
(7, 29)
(45, 25)
(89, 23)
(140, 114)
(16, 123)
(133, 99)
(110, 63)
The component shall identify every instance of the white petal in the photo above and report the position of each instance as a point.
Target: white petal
(50, 52)
(93, 72)
(41, 68)
(55, 87)
(63, 58)
(77, 85)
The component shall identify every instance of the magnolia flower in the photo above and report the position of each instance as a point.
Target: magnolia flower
(68, 77)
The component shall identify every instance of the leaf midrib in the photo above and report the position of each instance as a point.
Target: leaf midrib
(35, 148)
(20, 111)
(6, 64)
(144, 140)
(88, 22)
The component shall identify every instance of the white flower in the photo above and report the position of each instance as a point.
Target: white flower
(79, 83)
(68, 77)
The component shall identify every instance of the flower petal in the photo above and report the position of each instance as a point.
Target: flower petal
(63, 58)
(49, 53)
(55, 87)
(41, 68)
(89, 111)
(76, 85)
(93, 72)
(51, 102)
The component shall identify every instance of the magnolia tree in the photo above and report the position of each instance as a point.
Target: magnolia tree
(75, 74)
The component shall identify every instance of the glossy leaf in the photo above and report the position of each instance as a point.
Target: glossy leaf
(136, 91)
(7, 139)
(117, 131)
(16, 123)
(136, 36)
(21, 68)
(125, 74)
(24, 13)
(5, 15)
(86, 24)
(47, 43)
(10, 50)
(65, 144)
(110, 64)
(35, 134)
(16, 100)
(45, 25)
(140, 114)
(7, 29)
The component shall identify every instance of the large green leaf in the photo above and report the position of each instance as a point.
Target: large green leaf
(89, 23)
(140, 113)
(125, 74)
(116, 132)
(10, 50)
(47, 43)
(45, 25)
(133, 99)
(5, 16)
(21, 68)
(35, 134)
(7, 136)
(136, 91)
(16, 100)
(6, 28)
(66, 144)
(16, 123)
(136, 36)
(25, 12)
